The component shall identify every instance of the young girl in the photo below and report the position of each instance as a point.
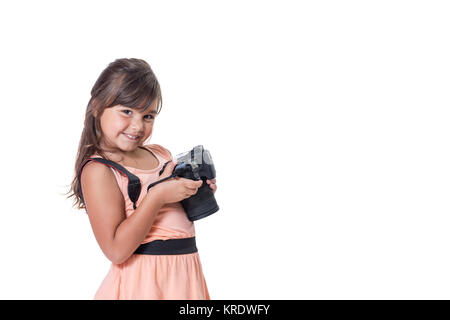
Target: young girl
(150, 242)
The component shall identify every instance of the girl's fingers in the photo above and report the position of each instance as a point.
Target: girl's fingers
(212, 184)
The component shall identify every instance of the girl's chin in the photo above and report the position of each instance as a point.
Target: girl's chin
(126, 146)
(129, 147)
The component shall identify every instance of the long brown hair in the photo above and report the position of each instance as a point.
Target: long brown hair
(128, 82)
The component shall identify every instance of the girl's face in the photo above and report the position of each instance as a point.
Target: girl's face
(126, 128)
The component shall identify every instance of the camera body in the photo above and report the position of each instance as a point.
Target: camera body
(197, 164)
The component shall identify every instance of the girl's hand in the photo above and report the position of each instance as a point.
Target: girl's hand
(176, 189)
(212, 184)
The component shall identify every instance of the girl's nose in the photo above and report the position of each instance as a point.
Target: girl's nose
(136, 125)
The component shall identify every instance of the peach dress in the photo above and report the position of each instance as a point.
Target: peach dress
(170, 277)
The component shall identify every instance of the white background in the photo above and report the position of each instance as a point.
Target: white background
(327, 122)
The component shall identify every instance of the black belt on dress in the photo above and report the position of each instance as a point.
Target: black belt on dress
(171, 246)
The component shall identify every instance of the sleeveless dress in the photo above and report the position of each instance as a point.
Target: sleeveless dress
(169, 277)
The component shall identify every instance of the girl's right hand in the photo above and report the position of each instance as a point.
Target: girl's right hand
(175, 189)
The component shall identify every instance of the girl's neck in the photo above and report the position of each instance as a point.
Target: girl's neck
(115, 154)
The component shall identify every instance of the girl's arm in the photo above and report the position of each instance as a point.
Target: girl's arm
(117, 235)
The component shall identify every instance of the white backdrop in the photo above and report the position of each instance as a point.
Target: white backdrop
(327, 122)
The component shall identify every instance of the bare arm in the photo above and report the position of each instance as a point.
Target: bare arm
(117, 235)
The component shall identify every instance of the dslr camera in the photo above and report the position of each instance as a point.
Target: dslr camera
(197, 164)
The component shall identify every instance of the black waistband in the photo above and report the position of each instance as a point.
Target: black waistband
(165, 247)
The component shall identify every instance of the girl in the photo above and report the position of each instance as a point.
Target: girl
(120, 115)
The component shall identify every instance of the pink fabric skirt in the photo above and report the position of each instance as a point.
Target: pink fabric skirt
(156, 277)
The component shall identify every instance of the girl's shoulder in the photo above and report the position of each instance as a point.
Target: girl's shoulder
(160, 149)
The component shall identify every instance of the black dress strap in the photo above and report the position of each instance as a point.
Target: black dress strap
(134, 184)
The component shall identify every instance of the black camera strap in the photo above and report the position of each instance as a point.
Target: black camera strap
(134, 184)
(159, 181)
(173, 175)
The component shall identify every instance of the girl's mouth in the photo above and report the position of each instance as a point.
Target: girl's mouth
(131, 137)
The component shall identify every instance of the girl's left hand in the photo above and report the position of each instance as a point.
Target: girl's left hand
(212, 184)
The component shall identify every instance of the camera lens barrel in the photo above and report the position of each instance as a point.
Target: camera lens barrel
(200, 205)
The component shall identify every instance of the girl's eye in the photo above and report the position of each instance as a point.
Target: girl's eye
(146, 117)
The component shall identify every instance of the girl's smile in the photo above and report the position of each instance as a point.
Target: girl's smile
(131, 137)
